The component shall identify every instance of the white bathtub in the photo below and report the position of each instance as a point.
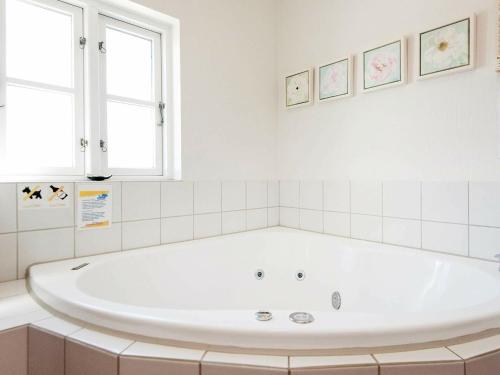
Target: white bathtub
(205, 292)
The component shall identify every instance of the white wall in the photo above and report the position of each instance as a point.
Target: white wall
(443, 128)
(228, 77)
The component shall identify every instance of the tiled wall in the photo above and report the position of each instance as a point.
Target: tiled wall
(144, 214)
(460, 218)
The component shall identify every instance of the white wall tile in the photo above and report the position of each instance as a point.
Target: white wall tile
(402, 232)
(311, 195)
(176, 229)
(289, 217)
(207, 197)
(289, 193)
(176, 198)
(365, 227)
(46, 218)
(141, 233)
(256, 218)
(233, 221)
(98, 241)
(311, 220)
(233, 195)
(337, 223)
(140, 200)
(273, 193)
(207, 225)
(8, 257)
(116, 196)
(402, 199)
(448, 238)
(44, 246)
(484, 242)
(273, 216)
(366, 197)
(337, 196)
(256, 194)
(445, 202)
(7, 208)
(484, 203)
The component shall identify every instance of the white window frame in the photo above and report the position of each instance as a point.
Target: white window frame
(155, 38)
(76, 13)
(169, 29)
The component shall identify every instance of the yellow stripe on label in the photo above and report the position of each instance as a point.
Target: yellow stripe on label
(97, 225)
(88, 193)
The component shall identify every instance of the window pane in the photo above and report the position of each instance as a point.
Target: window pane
(39, 44)
(129, 66)
(39, 128)
(131, 136)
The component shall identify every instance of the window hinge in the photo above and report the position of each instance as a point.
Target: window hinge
(161, 106)
(83, 144)
(83, 42)
(102, 49)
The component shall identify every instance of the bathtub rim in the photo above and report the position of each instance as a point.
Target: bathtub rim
(70, 308)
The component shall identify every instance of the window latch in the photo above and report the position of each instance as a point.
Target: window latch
(83, 42)
(103, 145)
(83, 144)
(161, 106)
(102, 49)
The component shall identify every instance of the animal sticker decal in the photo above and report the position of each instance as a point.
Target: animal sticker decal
(36, 193)
(37, 196)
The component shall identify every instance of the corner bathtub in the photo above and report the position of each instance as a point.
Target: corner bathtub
(205, 293)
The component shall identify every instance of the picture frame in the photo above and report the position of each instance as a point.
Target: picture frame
(384, 66)
(335, 80)
(299, 89)
(446, 49)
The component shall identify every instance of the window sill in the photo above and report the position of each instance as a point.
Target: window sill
(6, 179)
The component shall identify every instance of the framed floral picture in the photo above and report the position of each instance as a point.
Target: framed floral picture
(384, 66)
(447, 49)
(299, 89)
(335, 80)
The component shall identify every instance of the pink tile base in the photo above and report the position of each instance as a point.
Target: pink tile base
(14, 351)
(453, 368)
(31, 350)
(488, 364)
(82, 359)
(45, 353)
(153, 366)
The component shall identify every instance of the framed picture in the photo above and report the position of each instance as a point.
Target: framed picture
(384, 66)
(299, 89)
(447, 49)
(335, 80)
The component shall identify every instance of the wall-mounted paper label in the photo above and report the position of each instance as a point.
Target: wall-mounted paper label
(35, 196)
(95, 208)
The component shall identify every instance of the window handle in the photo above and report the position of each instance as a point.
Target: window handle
(161, 105)
(102, 49)
(103, 145)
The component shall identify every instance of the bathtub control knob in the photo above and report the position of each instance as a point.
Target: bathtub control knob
(301, 317)
(263, 316)
(300, 275)
(259, 274)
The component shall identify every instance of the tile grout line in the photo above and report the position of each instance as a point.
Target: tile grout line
(468, 218)
(421, 216)
(17, 231)
(382, 210)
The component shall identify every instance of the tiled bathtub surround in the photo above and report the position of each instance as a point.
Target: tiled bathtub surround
(461, 218)
(144, 214)
(34, 342)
